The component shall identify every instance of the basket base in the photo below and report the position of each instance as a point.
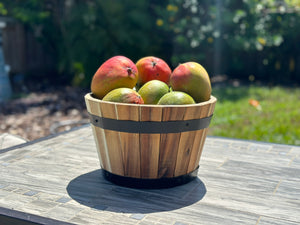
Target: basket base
(164, 182)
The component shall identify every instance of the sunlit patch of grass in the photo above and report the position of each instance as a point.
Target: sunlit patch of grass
(278, 121)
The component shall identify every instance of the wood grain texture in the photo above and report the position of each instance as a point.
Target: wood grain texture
(204, 113)
(169, 143)
(186, 143)
(149, 143)
(239, 182)
(194, 159)
(150, 155)
(130, 143)
(93, 107)
(199, 139)
(113, 141)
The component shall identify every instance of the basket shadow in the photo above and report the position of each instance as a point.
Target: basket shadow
(93, 190)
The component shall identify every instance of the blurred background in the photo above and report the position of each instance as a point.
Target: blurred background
(50, 49)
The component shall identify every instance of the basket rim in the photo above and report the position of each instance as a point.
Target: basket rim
(89, 96)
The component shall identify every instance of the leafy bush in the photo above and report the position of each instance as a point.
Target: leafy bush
(256, 39)
(83, 34)
(239, 38)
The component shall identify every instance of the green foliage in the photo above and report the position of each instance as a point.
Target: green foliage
(81, 35)
(236, 37)
(3, 10)
(239, 38)
(278, 120)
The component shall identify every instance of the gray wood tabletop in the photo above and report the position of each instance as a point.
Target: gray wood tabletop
(58, 180)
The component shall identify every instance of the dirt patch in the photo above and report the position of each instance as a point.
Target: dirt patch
(41, 113)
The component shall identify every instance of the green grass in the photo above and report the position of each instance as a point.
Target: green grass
(278, 121)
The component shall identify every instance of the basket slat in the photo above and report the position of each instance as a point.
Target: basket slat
(169, 143)
(130, 141)
(149, 144)
(199, 140)
(94, 108)
(113, 141)
(186, 143)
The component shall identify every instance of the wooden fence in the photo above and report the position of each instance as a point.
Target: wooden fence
(23, 52)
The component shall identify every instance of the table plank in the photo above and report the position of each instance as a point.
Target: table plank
(239, 182)
(8, 140)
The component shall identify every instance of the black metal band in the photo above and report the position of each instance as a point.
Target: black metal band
(164, 182)
(150, 127)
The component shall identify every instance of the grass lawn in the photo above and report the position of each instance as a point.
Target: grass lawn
(278, 120)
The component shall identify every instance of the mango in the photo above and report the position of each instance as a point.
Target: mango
(123, 95)
(152, 68)
(192, 78)
(153, 90)
(116, 72)
(176, 98)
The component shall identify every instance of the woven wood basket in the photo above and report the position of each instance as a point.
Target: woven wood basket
(149, 145)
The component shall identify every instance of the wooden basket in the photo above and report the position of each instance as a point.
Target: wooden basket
(149, 145)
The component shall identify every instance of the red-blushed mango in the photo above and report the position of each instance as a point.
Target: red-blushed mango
(192, 78)
(152, 68)
(124, 95)
(116, 72)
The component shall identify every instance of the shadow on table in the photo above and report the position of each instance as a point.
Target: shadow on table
(93, 190)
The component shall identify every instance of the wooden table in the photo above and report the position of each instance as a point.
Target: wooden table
(58, 180)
